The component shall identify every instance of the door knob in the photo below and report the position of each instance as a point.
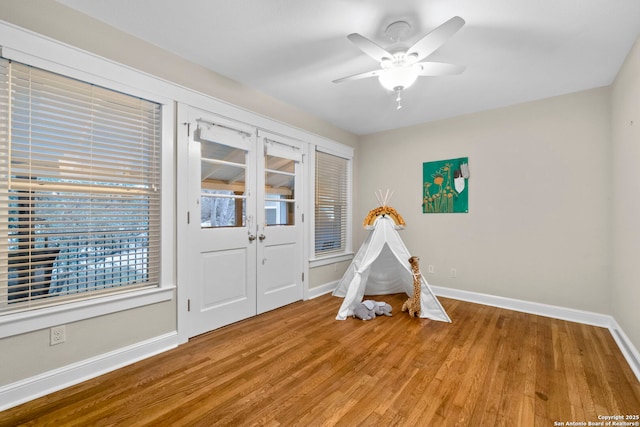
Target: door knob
(252, 237)
(262, 237)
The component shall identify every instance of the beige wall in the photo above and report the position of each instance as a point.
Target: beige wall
(625, 120)
(327, 273)
(542, 194)
(25, 355)
(539, 199)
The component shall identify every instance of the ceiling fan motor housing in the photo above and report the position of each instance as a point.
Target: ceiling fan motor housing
(397, 31)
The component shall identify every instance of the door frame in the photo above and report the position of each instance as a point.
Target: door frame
(183, 131)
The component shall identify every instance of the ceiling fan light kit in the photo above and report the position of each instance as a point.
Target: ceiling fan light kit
(400, 70)
(398, 78)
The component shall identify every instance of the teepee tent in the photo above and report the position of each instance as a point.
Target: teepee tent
(382, 267)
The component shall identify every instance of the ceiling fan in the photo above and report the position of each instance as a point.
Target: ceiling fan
(400, 69)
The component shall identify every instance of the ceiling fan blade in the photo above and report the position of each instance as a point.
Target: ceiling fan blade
(436, 69)
(374, 73)
(436, 38)
(369, 47)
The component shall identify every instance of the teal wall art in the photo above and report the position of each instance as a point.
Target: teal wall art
(446, 186)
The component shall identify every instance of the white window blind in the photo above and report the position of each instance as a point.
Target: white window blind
(331, 204)
(79, 189)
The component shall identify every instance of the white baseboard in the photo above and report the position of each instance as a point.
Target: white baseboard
(562, 313)
(40, 385)
(323, 289)
(627, 348)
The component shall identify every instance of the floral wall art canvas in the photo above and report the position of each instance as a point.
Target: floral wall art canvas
(446, 186)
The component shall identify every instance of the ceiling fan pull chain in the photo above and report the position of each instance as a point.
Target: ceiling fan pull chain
(399, 98)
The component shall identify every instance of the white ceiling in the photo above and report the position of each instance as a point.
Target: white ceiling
(514, 50)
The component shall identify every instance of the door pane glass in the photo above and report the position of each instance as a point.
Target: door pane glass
(279, 204)
(223, 189)
(280, 164)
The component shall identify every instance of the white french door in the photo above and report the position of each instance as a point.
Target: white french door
(279, 273)
(244, 233)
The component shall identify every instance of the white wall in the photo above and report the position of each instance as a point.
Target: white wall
(539, 199)
(625, 186)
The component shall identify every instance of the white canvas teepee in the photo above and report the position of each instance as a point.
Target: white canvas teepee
(382, 267)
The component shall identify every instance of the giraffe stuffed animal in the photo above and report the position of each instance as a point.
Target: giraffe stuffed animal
(412, 304)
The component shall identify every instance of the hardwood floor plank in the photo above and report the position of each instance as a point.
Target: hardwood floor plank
(469, 394)
(299, 366)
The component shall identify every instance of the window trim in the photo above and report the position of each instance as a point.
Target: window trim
(108, 74)
(347, 154)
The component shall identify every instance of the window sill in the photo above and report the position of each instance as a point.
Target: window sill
(20, 323)
(331, 259)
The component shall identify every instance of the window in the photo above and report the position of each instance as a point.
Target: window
(331, 204)
(79, 189)
(280, 179)
(223, 196)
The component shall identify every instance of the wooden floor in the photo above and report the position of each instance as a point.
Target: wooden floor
(297, 366)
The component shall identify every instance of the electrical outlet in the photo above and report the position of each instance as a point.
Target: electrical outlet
(454, 273)
(58, 335)
(430, 269)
